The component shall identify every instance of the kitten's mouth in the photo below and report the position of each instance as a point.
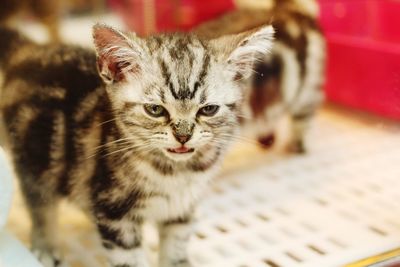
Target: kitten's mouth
(181, 150)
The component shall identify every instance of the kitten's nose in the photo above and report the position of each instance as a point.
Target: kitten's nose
(182, 130)
(182, 138)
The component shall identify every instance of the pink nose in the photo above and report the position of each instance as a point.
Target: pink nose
(182, 138)
(182, 130)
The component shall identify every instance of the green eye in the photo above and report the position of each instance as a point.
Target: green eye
(155, 110)
(209, 110)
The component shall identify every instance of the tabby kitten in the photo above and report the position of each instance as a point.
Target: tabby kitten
(140, 143)
(286, 82)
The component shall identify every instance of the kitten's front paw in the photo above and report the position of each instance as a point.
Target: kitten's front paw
(48, 258)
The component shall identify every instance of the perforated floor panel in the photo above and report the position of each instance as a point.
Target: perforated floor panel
(336, 204)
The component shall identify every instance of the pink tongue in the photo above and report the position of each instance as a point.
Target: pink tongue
(181, 149)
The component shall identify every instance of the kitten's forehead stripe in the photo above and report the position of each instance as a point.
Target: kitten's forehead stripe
(200, 81)
(181, 59)
(167, 77)
(184, 63)
(203, 96)
(181, 51)
(205, 67)
(164, 71)
(161, 93)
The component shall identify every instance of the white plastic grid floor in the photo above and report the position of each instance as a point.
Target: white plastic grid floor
(339, 203)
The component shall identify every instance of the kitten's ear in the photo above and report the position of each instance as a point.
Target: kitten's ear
(242, 50)
(118, 54)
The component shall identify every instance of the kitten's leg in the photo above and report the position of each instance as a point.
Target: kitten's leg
(122, 241)
(42, 207)
(174, 239)
(43, 236)
(299, 124)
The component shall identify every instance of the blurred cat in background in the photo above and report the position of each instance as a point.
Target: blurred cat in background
(286, 82)
(46, 11)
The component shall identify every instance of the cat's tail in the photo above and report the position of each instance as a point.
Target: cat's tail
(10, 42)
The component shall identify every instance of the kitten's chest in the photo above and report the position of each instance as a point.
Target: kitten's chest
(174, 197)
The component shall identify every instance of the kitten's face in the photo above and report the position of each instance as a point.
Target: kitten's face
(174, 94)
(184, 103)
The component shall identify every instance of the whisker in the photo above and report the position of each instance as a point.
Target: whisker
(115, 141)
(124, 149)
(124, 141)
(104, 122)
(135, 146)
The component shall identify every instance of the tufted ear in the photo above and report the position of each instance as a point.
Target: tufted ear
(241, 51)
(118, 54)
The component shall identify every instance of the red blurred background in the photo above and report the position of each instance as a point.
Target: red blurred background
(363, 39)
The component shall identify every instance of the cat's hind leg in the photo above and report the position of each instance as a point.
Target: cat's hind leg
(42, 206)
(37, 142)
(299, 124)
(301, 114)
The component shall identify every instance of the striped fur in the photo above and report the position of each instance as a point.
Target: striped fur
(288, 81)
(92, 140)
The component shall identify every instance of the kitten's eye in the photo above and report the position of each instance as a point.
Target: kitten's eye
(155, 110)
(209, 110)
